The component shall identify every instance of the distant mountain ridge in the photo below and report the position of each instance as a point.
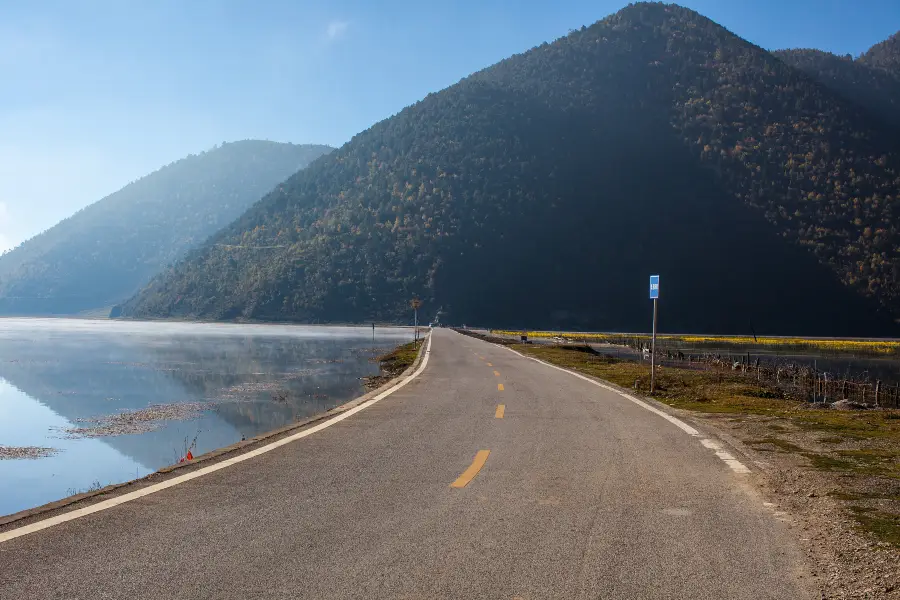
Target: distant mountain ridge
(885, 55)
(872, 80)
(105, 252)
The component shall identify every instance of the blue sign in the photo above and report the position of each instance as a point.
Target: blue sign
(654, 287)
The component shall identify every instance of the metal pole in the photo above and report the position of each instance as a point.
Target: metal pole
(653, 352)
(417, 325)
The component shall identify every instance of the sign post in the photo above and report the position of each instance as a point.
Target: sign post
(654, 295)
(416, 303)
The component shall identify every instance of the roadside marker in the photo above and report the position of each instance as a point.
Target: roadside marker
(654, 295)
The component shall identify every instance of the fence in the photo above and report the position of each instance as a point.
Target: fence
(800, 381)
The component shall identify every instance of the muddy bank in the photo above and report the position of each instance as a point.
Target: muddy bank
(393, 364)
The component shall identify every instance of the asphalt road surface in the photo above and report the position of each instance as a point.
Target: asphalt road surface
(567, 491)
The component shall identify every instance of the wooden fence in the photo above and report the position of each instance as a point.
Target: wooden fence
(798, 380)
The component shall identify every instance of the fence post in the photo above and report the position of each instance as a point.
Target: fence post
(877, 390)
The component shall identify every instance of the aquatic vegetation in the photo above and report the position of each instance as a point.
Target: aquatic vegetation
(20, 452)
(135, 421)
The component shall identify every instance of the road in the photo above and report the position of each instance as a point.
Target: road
(568, 491)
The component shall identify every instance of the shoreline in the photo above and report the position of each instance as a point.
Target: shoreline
(347, 324)
(76, 501)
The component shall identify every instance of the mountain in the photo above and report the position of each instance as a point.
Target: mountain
(543, 191)
(872, 80)
(106, 252)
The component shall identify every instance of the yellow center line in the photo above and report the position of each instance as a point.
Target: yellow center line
(501, 408)
(470, 473)
(500, 387)
(496, 373)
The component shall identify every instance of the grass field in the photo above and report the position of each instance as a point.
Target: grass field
(869, 347)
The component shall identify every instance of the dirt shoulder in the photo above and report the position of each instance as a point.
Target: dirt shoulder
(835, 472)
(846, 515)
(408, 359)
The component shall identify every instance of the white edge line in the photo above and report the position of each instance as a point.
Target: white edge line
(158, 487)
(675, 421)
(735, 465)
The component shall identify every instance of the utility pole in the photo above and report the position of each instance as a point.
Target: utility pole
(654, 295)
(416, 303)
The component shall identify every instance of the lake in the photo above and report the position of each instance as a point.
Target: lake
(116, 400)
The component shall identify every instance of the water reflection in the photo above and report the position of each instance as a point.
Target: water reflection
(256, 378)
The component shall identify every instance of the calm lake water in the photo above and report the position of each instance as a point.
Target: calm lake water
(84, 387)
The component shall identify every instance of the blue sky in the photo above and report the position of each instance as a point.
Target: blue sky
(97, 93)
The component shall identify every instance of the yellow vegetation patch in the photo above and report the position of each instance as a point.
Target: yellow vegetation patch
(827, 345)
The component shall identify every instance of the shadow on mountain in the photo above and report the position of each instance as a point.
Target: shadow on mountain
(621, 202)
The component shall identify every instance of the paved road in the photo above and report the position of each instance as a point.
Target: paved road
(583, 494)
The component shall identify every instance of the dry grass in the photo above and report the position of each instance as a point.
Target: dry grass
(394, 363)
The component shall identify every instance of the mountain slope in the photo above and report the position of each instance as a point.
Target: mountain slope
(885, 55)
(543, 190)
(104, 253)
(872, 81)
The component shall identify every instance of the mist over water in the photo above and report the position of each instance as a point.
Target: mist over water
(217, 382)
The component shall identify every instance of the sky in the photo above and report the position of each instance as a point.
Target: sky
(97, 93)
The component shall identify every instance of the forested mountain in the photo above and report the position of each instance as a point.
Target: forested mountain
(872, 80)
(106, 252)
(545, 189)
